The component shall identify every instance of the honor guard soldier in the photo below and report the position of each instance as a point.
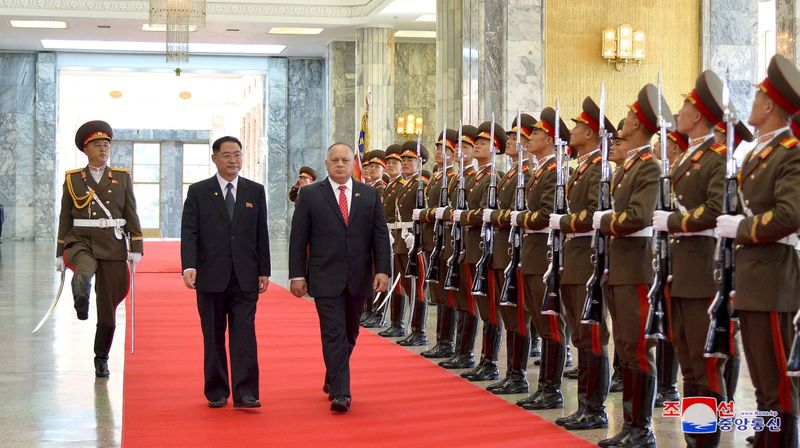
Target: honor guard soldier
(388, 196)
(472, 219)
(406, 201)
(634, 189)
(376, 165)
(98, 232)
(518, 338)
(767, 280)
(307, 177)
(466, 318)
(444, 300)
(618, 144)
(591, 340)
(540, 201)
(697, 190)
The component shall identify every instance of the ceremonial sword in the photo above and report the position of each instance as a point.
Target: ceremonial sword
(53, 303)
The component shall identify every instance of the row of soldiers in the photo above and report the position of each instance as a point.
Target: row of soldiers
(767, 281)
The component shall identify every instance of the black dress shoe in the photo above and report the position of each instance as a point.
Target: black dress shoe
(485, 372)
(101, 367)
(588, 421)
(438, 351)
(546, 400)
(393, 332)
(668, 394)
(247, 402)
(461, 361)
(217, 403)
(561, 421)
(341, 404)
(571, 373)
(414, 340)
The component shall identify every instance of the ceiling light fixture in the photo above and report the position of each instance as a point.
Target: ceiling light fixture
(160, 27)
(156, 47)
(177, 16)
(416, 34)
(294, 30)
(49, 24)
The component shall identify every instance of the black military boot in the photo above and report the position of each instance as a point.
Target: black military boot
(446, 325)
(553, 359)
(436, 348)
(568, 359)
(102, 345)
(616, 378)
(509, 361)
(398, 327)
(644, 396)
(582, 390)
(786, 437)
(597, 379)
(627, 409)
(702, 440)
(468, 331)
(487, 371)
(667, 364)
(536, 343)
(81, 288)
(731, 375)
(419, 321)
(518, 378)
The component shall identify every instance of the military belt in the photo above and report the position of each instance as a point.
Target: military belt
(102, 223)
(647, 232)
(579, 234)
(707, 232)
(545, 230)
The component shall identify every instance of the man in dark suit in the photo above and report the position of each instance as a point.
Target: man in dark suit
(225, 257)
(338, 234)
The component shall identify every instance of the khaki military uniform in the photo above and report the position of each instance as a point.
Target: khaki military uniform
(388, 196)
(768, 272)
(463, 297)
(634, 191)
(428, 218)
(405, 204)
(697, 185)
(583, 199)
(97, 251)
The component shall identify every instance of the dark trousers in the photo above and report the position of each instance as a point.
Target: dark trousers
(339, 323)
(236, 310)
(112, 279)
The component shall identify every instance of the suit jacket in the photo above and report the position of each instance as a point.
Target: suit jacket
(634, 192)
(335, 257)
(540, 197)
(697, 184)
(501, 218)
(583, 188)
(768, 273)
(219, 247)
(115, 190)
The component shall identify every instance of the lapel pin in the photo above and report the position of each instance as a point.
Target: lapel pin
(358, 194)
(216, 194)
(248, 204)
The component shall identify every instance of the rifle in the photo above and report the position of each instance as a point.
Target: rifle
(718, 341)
(793, 364)
(592, 312)
(433, 275)
(511, 287)
(551, 304)
(657, 319)
(452, 281)
(413, 266)
(480, 286)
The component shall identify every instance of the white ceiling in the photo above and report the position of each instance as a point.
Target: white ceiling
(252, 19)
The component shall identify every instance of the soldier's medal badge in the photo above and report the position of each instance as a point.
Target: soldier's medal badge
(696, 167)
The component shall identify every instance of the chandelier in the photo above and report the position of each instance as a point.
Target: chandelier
(177, 17)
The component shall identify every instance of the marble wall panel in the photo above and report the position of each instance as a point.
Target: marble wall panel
(787, 14)
(415, 88)
(47, 182)
(341, 91)
(17, 82)
(122, 154)
(171, 207)
(276, 102)
(449, 61)
(375, 73)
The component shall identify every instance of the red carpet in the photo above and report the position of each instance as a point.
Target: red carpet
(160, 256)
(400, 399)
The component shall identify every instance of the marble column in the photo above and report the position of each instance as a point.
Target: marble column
(340, 91)
(307, 117)
(375, 72)
(730, 42)
(47, 182)
(415, 89)
(122, 154)
(787, 15)
(503, 59)
(171, 207)
(277, 103)
(449, 49)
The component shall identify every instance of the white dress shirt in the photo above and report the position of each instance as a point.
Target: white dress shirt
(97, 173)
(348, 192)
(223, 184)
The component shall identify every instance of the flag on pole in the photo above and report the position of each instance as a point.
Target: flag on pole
(363, 140)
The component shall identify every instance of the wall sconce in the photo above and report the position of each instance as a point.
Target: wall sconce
(623, 45)
(409, 125)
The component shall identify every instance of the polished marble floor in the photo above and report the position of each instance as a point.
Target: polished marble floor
(52, 399)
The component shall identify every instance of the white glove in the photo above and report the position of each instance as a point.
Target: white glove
(487, 215)
(597, 217)
(513, 217)
(409, 240)
(660, 220)
(555, 221)
(134, 257)
(391, 239)
(440, 212)
(415, 214)
(457, 215)
(60, 266)
(727, 225)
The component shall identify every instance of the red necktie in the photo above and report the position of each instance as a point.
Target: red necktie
(343, 202)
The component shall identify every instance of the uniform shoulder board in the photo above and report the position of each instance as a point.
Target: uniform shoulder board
(121, 170)
(77, 170)
(597, 160)
(525, 168)
(646, 156)
(789, 142)
(551, 166)
(719, 148)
